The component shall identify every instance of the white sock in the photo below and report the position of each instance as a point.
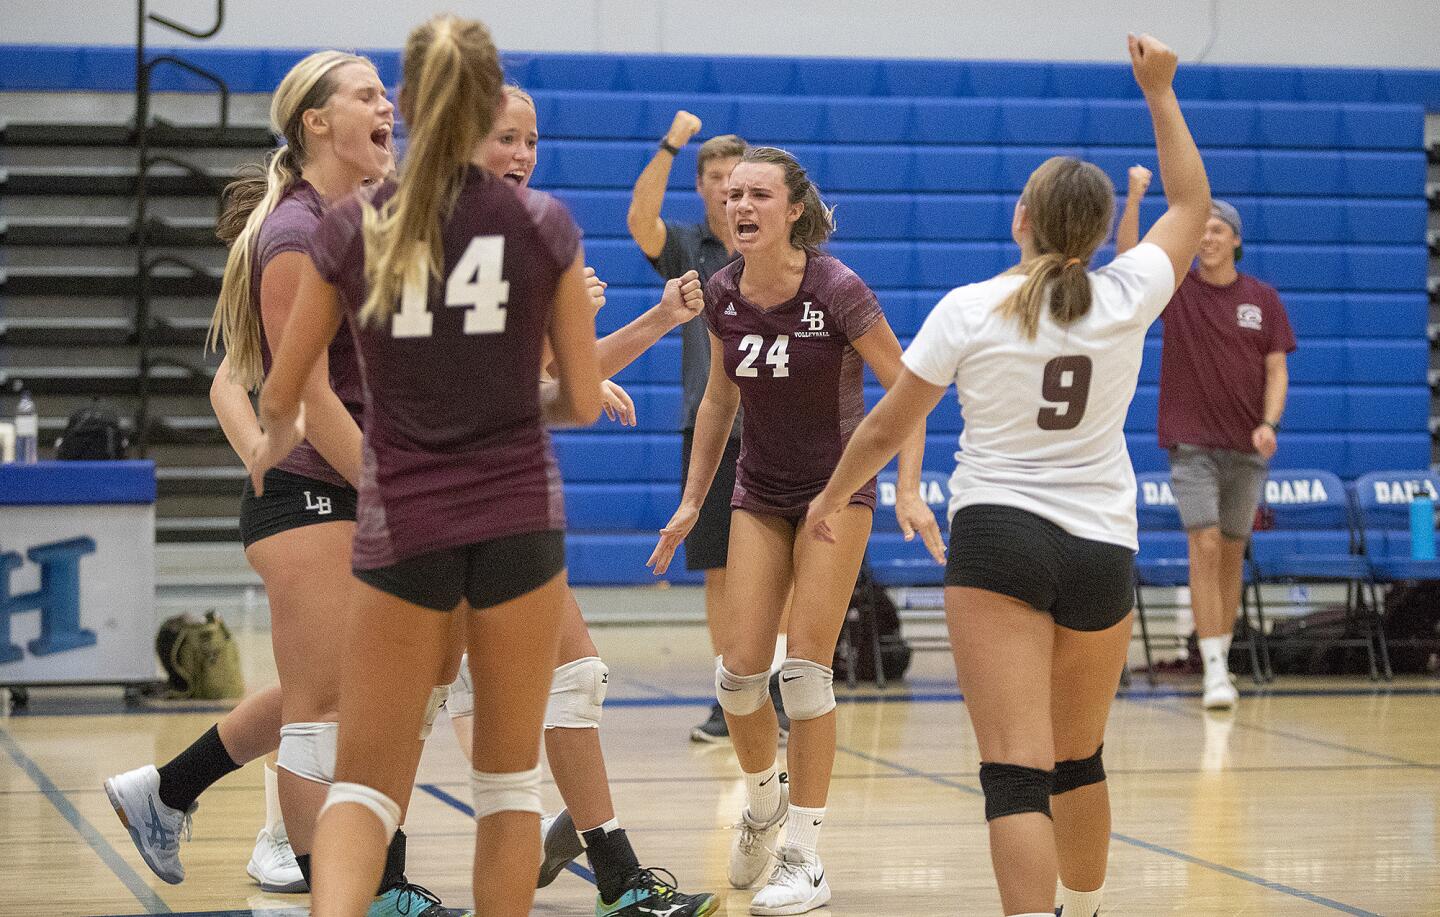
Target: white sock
(611, 825)
(1212, 651)
(802, 827)
(762, 793)
(1079, 904)
(274, 821)
(1226, 644)
(776, 661)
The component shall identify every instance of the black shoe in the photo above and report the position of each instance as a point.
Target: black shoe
(561, 843)
(713, 730)
(779, 706)
(647, 894)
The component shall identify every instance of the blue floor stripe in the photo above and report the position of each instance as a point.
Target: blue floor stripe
(462, 806)
(1134, 841)
(108, 855)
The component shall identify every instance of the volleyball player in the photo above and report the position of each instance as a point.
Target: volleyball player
(1039, 584)
(332, 112)
(460, 501)
(790, 328)
(572, 716)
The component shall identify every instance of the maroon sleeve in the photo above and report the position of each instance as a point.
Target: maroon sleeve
(714, 292)
(558, 231)
(1282, 336)
(338, 232)
(855, 307)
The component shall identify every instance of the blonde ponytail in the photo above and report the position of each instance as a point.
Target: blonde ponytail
(1070, 204)
(235, 324)
(452, 88)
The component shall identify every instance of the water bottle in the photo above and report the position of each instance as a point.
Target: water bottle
(1422, 528)
(27, 430)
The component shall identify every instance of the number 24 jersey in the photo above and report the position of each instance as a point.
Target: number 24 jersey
(1045, 419)
(801, 381)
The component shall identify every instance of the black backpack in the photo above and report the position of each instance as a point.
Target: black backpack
(871, 635)
(92, 433)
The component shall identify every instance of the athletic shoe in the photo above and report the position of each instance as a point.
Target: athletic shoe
(1220, 692)
(796, 885)
(751, 851)
(713, 730)
(561, 845)
(155, 828)
(408, 900)
(779, 703)
(647, 894)
(272, 865)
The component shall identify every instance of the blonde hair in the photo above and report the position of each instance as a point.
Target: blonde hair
(450, 92)
(513, 91)
(252, 197)
(816, 221)
(1070, 204)
(723, 146)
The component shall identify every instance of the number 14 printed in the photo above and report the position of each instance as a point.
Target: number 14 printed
(475, 282)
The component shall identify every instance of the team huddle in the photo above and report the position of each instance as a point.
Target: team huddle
(414, 333)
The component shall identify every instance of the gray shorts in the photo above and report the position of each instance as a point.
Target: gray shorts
(1217, 487)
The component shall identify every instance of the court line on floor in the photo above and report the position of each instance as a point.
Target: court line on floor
(1300, 737)
(1135, 841)
(462, 806)
(108, 855)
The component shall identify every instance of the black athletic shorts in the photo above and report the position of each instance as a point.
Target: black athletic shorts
(485, 574)
(708, 544)
(290, 501)
(1086, 585)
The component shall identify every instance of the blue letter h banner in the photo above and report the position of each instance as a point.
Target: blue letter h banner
(57, 599)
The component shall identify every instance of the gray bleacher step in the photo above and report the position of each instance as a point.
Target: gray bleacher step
(106, 380)
(169, 530)
(81, 331)
(161, 135)
(106, 281)
(111, 181)
(177, 232)
(190, 481)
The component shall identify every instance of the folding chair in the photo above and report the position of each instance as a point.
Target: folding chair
(1382, 509)
(1308, 535)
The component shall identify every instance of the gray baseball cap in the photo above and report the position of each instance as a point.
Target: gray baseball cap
(1227, 214)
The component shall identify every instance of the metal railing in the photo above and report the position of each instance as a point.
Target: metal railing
(144, 263)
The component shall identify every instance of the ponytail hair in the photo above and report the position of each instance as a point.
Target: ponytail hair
(1070, 204)
(252, 197)
(451, 91)
(817, 221)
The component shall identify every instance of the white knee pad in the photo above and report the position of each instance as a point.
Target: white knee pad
(461, 699)
(577, 693)
(514, 792)
(740, 694)
(808, 688)
(385, 808)
(438, 694)
(308, 750)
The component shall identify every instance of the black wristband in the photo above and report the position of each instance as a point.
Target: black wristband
(665, 145)
(1273, 425)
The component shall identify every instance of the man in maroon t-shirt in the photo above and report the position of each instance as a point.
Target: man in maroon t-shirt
(1223, 381)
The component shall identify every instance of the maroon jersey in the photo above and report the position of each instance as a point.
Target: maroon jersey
(800, 379)
(1212, 365)
(455, 448)
(290, 228)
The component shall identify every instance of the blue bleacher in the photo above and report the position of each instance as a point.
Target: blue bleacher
(924, 160)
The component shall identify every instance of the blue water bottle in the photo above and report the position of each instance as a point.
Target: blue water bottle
(1422, 529)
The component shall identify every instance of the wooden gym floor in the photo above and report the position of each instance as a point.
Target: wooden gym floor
(1313, 797)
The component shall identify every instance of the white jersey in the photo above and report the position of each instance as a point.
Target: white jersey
(1045, 419)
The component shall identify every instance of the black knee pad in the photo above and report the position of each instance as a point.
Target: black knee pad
(1072, 775)
(1012, 789)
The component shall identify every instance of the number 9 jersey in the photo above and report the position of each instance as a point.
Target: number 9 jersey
(1044, 420)
(801, 381)
(455, 451)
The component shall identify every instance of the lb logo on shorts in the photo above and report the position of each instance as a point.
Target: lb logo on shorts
(321, 505)
(1248, 315)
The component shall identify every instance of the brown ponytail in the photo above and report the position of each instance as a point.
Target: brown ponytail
(1070, 204)
(451, 90)
(252, 198)
(817, 221)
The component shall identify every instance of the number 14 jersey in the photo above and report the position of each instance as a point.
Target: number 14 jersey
(1045, 419)
(801, 381)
